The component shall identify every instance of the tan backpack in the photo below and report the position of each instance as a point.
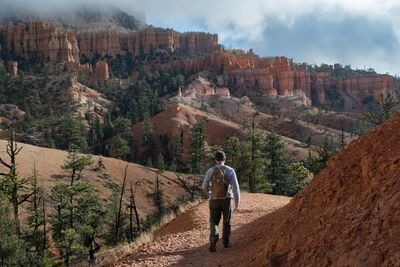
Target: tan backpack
(219, 184)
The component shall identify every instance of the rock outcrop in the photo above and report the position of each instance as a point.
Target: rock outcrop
(14, 68)
(102, 71)
(202, 87)
(50, 42)
(38, 38)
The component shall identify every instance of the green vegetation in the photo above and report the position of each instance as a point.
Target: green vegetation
(262, 164)
(197, 152)
(79, 222)
(342, 72)
(386, 106)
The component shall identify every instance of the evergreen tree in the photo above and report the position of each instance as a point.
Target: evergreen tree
(148, 141)
(75, 233)
(36, 236)
(158, 198)
(71, 134)
(96, 136)
(65, 237)
(90, 221)
(197, 153)
(122, 127)
(133, 111)
(386, 107)
(177, 163)
(76, 162)
(256, 142)
(301, 176)
(147, 130)
(239, 157)
(160, 162)
(12, 248)
(318, 157)
(277, 169)
(121, 148)
(165, 149)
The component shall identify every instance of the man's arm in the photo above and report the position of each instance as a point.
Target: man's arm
(235, 188)
(206, 182)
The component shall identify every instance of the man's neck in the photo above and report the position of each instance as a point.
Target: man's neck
(220, 163)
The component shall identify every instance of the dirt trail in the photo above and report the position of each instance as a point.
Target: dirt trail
(184, 241)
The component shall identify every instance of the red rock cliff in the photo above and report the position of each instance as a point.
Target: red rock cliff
(271, 76)
(54, 44)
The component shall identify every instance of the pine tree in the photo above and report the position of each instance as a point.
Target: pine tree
(148, 141)
(386, 107)
(165, 150)
(36, 237)
(238, 155)
(12, 248)
(177, 163)
(158, 198)
(121, 148)
(277, 169)
(76, 162)
(318, 157)
(133, 111)
(256, 142)
(90, 221)
(75, 233)
(71, 134)
(198, 153)
(160, 162)
(301, 176)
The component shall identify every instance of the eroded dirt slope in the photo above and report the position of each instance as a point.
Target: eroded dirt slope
(348, 216)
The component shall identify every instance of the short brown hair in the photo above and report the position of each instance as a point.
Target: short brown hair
(220, 156)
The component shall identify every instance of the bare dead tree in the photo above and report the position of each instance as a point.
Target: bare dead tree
(15, 189)
(119, 214)
(190, 189)
(133, 209)
(44, 222)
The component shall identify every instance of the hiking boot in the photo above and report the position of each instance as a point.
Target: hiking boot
(213, 243)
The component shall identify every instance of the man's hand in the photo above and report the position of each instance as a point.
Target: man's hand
(236, 206)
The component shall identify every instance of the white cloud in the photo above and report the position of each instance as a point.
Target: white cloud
(249, 23)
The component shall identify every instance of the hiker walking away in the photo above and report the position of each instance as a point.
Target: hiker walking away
(221, 185)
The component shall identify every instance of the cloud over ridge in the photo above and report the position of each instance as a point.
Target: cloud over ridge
(358, 32)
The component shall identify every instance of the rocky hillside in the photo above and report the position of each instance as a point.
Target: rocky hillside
(347, 216)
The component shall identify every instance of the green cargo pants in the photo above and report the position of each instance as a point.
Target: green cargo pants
(218, 206)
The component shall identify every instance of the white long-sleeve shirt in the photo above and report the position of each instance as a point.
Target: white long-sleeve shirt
(233, 188)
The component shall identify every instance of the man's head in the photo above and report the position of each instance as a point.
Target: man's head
(220, 156)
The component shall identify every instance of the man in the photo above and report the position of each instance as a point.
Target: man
(218, 184)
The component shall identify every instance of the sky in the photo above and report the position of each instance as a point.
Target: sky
(360, 33)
